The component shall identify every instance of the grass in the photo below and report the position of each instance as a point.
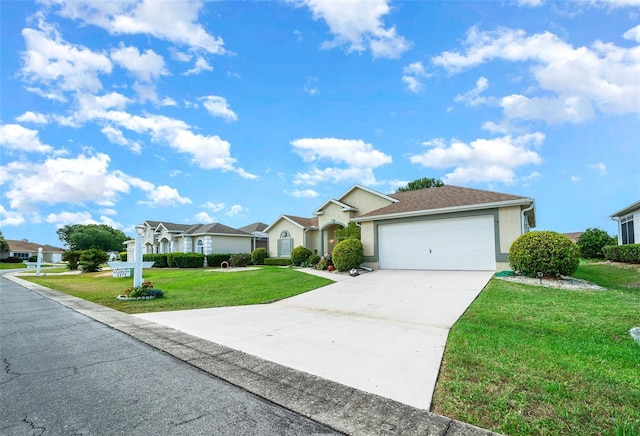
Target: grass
(187, 289)
(529, 360)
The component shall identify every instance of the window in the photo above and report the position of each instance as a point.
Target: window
(285, 244)
(200, 247)
(626, 230)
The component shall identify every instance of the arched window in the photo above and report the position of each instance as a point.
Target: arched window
(200, 247)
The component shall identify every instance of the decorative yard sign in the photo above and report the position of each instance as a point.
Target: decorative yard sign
(125, 269)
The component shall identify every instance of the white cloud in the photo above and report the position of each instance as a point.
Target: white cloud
(572, 81)
(235, 210)
(218, 107)
(16, 137)
(359, 25)
(472, 97)
(599, 167)
(10, 217)
(146, 67)
(412, 75)
(204, 217)
(482, 160)
(61, 66)
(62, 180)
(200, 66)
(304, 193)
(164, 196)
(214, 207)
(32, 117)
(359, 157)
(171, 21)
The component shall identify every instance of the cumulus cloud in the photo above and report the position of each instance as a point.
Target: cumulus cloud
(218, 107)
(176, 22)
(146, 66)
(482, 160)
(359, 157)
(60, 66)
(16, 137)
(573, 81)
(359, 26)
(412, 76)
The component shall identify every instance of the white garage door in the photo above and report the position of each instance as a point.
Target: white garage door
(451, 244)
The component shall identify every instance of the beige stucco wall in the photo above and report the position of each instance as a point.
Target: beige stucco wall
(510, 226)
(364, 201)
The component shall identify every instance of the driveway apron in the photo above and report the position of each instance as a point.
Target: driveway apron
(382, 332)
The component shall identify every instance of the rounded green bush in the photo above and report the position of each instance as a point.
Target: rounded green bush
(592, 241)
(546, 252)
(347, 254)
(259, 255)
(299, 255)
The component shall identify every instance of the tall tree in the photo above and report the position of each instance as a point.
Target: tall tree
(4, 245)
(421, 184)
(87, 236)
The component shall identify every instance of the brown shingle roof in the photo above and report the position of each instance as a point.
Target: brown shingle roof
(444, 197)
(304, 222)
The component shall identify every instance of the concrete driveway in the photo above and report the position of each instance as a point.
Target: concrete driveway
(382, 332)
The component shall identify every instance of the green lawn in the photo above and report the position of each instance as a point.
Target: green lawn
(529, 360)
(187, 289)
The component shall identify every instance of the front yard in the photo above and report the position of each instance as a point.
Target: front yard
(187, 288)
(529, 360)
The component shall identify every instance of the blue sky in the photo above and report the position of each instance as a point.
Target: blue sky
(235, 112)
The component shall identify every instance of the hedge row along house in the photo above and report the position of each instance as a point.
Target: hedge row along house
(165, 237)
(444, 228)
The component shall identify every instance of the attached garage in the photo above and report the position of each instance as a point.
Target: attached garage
(446, 244)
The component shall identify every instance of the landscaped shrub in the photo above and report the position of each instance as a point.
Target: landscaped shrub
(123, 256)
(277, 261)
(72, 257)
(214, 260)
(299, 255)
(546, 252)
(592, 241)
(347, 254)
(159, 260)
(628, 253)
(188, 260)
(91, 260)
(240, 259)
(259, 255)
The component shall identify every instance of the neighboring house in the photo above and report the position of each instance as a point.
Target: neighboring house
(25, 249)
(216, 238)
(448, 228)
(260, 238)
(628, 224)
(573, 236)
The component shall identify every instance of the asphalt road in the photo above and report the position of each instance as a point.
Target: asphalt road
(66, 374)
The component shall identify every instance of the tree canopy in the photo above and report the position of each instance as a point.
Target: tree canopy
(88, 236)
(421, 184)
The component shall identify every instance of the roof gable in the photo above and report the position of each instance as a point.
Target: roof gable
(444, 198)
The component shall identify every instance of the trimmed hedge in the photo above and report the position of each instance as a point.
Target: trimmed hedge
(214, 260)
(629, 253)
(188, 260)
(240, 259)
(277, 261)
(159, 260)
(546, 252)
(347, 254)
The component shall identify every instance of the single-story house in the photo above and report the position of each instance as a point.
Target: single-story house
(628, 233)
(444, 228)
(215, 238)
(260, 238)
(25, 249)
